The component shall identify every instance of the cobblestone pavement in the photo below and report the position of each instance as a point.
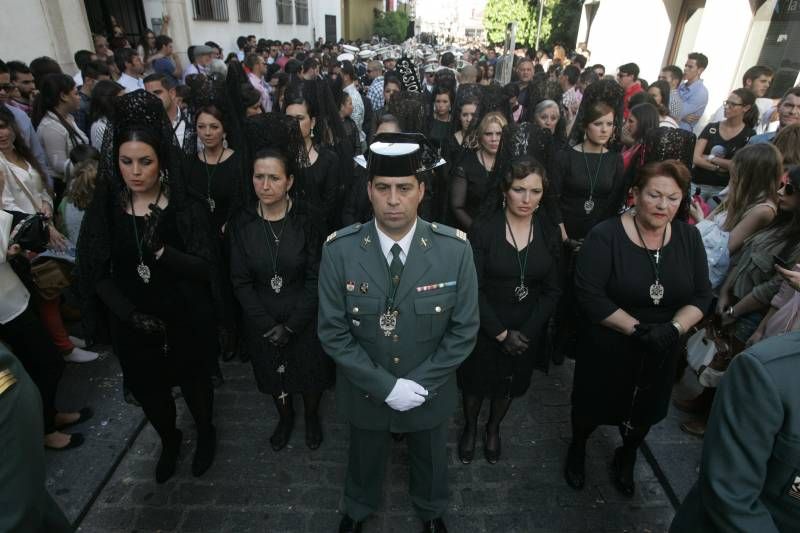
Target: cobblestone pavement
(252, 488)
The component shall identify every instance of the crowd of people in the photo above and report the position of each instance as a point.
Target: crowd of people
(180, 213)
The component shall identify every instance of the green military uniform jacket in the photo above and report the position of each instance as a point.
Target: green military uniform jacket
(437, 323)
(25, 505)
(750, 470)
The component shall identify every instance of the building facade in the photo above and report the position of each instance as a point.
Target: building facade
(734, 34)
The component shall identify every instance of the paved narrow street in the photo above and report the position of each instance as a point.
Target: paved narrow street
(252, 488)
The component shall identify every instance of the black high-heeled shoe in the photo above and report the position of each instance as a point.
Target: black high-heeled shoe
(492, 453)
(575, 468)
(623, 464)
(168, 461)
(466, 446)
(205, 452)
(280, 437)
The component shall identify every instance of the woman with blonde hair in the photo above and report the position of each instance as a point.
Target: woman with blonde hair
(749, 206)
(473, 177)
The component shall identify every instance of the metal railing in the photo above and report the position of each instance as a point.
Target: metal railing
(285, 11)
(249, 10)
(301, 12)
(210, 10)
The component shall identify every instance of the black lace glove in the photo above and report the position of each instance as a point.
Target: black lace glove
(515, 342)
(278, 335)
(147, 323)
(152, 239)
(658, 337)
(573, 245)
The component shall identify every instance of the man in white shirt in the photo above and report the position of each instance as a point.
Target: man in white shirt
(348, 73)
(163, 86)
(132, 68)
(258, 68)
(201, 57)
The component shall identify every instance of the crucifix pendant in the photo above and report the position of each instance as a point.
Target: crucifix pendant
(282, 397)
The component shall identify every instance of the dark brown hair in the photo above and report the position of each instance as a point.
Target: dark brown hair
(212, 110)
(669, 168)
(520, 167)
(595, 111)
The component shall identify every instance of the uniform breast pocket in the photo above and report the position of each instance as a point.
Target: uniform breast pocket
(362, 315)
(783, 473)
(433, 313)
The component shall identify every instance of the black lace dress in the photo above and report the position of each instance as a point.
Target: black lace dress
(301, 366)
(219, 182)
(470, 183)
(317, 185)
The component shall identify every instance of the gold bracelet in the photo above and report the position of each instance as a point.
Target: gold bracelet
(678, 327)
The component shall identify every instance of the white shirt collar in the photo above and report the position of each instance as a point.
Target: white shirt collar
(387, 243)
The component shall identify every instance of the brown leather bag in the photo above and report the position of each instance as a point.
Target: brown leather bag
(51, 276)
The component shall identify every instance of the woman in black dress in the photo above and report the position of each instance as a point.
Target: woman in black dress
(472, 177)
(275, 251)
(318, 183)
(147, 255)
(641, 281)
(516, 255)
(440, 126)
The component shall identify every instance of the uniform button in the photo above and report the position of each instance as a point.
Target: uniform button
(396, 360)
(355, 309)
(395, 338)
(438, 309)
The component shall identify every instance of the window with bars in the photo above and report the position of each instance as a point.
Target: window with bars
(249, 10)
(301, 12)
(210, 9)
(285, 12)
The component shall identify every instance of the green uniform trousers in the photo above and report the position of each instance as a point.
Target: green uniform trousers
(427, 451)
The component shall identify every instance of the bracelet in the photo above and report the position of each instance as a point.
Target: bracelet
(677, 325)
(729, 311)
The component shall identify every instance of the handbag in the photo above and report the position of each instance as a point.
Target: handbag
(709, 355)
(51, 276)
(31, 232)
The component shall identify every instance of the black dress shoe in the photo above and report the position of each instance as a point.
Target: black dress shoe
(168, 461)
(398, 437)
(205, 452)
(434, 526)
(623, 471)
(83, 415)
(575, 469)
(280, 437)
(348, 525)
(313, 433)
(492, 453)
(466, 446)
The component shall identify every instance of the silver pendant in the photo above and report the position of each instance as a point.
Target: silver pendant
(521, 292)
(276, 283)
(211, 204)
(588, 206)
(144, 272)
(388, 322)
(656, 292)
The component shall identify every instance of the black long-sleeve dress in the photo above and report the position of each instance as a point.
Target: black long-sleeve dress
(220, 182)
(614, 273)
(489, 370)
(470, 183)
(317, 185)
(305, 367)
(179, 293)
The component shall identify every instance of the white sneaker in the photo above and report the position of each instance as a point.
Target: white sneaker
(79, 355)
(80, 343)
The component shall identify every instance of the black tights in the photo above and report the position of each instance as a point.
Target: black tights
(311, 401)
(497, 411)
(583, 427)
(159, 406)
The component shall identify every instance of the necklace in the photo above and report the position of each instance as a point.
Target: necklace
(521, 290)
(483, 163)
(141, 269)
(276, 282)
(209, 176)
(588, 205)
(656, 289)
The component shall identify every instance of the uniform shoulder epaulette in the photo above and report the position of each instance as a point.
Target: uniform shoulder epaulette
(339, 233)
(441, 229)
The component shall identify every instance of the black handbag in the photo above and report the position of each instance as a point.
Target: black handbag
(30, 232)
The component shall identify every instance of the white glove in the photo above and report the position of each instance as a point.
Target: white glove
(406, 395)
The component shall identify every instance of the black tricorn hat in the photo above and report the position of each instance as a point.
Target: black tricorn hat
(401, 154)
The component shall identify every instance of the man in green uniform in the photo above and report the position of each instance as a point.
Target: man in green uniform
(25, 505)
(398, 312)
(750, 471)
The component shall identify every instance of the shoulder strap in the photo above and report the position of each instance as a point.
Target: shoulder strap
(36, 206)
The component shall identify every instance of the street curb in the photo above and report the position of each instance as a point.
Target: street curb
(661, 476)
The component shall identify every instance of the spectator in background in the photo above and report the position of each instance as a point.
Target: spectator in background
(349, 77)
(80, 191)
(147, 48)
(673, 75)
(375, 91)
(82, 58)
(468, 74)
(200, 58)
(101, 110)
(787, 141)
(788, 114)
(101, 47)
(600, 70)
(131, 67)
(257, 69)
(659, 90)
(164, 60)
(41, 67)
(758, 79)
(692, 91)
(628, 78)
(22, 78)
(93, 72)
(525, 76)
(310, 69)
(586, 78)
(571, 98)
(241, 43)
(165, 89)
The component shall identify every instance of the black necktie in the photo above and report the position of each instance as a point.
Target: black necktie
(396, 266)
